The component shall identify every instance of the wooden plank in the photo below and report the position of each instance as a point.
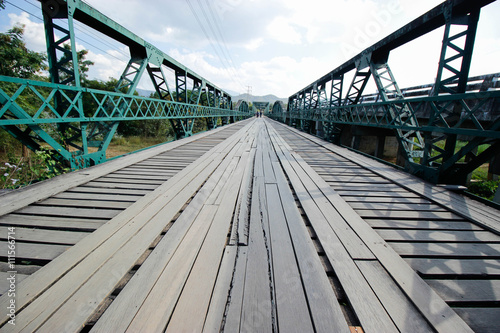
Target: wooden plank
(162, 275)
(100, 190)
(365, 303)
(32, 251)
(396, 206)
(171, 195)
(139, 177)
(217, 306)
(25, 196)
(45, 236)
(69, 212)
(324, 218)
(232, 319)
(439, 236)
(60, 223)
(325, 310)
(448, 250)
(369, 199)
(401, 310)
(21, 269)
(192, 306)
(461, 205)
(360, 194)
(257, 309)
(426, 300)
(467, 290)
(106, 204)
(97, 196)
(355, 179)
(422, 224)
(406, 214)
(163, 268)
(241, 220)
(291, 303)
(123, 180)
(469, 267)
(110, 185)
(6, 284)
(484, 320)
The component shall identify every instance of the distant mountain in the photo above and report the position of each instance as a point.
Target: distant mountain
(251, 98)
(143, 92)
(246, 97)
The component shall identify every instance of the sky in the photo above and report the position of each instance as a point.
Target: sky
(264, 46)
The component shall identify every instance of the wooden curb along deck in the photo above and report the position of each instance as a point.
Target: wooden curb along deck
(249, 237)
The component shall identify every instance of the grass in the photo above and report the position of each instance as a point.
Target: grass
(18, 171)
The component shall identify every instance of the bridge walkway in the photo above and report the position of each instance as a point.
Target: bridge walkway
(255, 227)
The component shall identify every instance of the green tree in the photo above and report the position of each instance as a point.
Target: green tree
(15, 59)
(83, 63)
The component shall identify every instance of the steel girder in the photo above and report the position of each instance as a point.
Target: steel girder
(60, 118)
(419, 124)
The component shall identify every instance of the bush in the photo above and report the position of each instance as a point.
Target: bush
(23, 171)
(485, 189)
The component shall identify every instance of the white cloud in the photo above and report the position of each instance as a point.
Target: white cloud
(34, 33)
(283, 31)
(254, 44)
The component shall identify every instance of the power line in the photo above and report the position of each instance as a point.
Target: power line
(204, 30)
(76, 37)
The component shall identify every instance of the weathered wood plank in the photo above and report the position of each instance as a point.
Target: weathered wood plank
(406, 214)
(325, 310)
(69, 212)
(23, 197)
(422, 224)
(6, 284)
(448, 250)
(461, 205)
(426, 300)
(467, 290)
(33, 251)
(232, 319)
(365, 303)
(192, 306)
(401, 310)
(60, 223)
(90, 247)
(101, 190)
(439, 236)
(257, 312)
(468, 267)
(163, 268)
(484, 320)
(110, 185)
(44, 236)
(392, 206)
(161, 278)
(97, 196)
(61, 202)
(217, 306)
(373, 199)
(291, 304)
(323, 216)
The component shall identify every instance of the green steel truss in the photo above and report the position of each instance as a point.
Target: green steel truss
(453, 108)
(79, 123)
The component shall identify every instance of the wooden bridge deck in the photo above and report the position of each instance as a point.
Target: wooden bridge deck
(252, 227)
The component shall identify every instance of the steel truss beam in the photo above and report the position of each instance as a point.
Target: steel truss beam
(420, 124)
(63, 121)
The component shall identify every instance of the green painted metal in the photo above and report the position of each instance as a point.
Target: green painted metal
(62, 115)
(420, 124)
(41, 123)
